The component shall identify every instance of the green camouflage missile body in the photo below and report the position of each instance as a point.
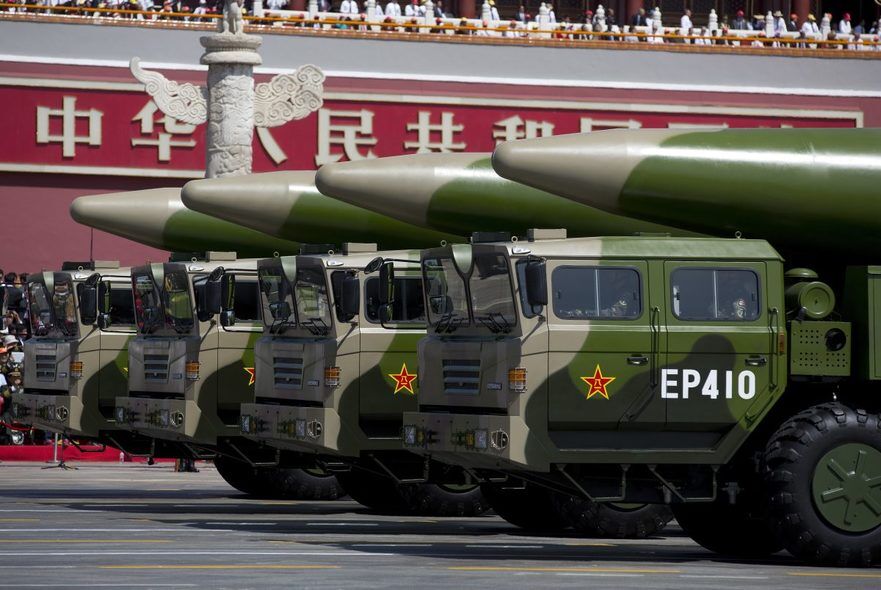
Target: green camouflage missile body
(801, 189)
(460, 193)
(158, 218)
(287, 205)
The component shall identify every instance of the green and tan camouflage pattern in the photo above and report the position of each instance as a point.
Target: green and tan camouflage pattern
(364, 412)
(158, 218)
(202, 410)
(287, 205)
(802, 189)
(461, 194)
(560, 419)
(77, 406)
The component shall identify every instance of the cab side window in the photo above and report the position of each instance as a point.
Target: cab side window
(409, 305)
(247, 300)
(715, 294)
(122, 306)
(592, 292)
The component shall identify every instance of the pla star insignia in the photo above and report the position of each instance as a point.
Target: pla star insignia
(404, 380)
(251, 375)
(597, 384)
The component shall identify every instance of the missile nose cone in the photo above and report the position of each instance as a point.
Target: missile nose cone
(575, 165)
(130, 213)
(401, 187)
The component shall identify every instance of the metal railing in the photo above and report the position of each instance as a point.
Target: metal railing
(460, 27)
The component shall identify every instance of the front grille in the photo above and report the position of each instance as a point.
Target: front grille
(462, 377)
(156, 368)
(45, 367)
(287, 372)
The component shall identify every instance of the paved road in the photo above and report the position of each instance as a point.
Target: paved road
(133, 526)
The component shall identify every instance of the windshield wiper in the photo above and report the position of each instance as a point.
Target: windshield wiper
(503, 323)
(488, 321)
(450, 323)
(316, 326)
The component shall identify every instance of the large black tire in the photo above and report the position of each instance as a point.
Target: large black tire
(525, 505)
(303, 484)
(278, 483)
(823, 473)
(618, 521)
(431, 499)
(374, 491)
(728, 529)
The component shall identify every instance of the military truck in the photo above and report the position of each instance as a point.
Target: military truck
(191, 367)
(334, 376)
(691, 372)
(75, 362)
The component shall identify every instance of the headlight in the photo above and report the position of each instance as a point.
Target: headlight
(480, 439)
(499, 440)
(409, 435)
(301, 428)
(314, 429)
(246, 424)
(120, 415)
(177, 418)
(164, 418)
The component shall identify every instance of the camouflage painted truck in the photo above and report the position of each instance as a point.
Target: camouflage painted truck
(693, 372)
(191, 366)
(334, 377)
(75, 363)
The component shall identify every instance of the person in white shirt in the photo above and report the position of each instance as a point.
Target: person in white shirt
(844, 26)
(393, 8)
(657, 33)
(779, 23)
(413, 9)
(685, 24)
(270, 4)
(349, 7)
(493, 11)
(552, 17)
(810, 28)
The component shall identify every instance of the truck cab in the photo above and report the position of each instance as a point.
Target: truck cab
(82, 318)
(190, 363)
(337, 368)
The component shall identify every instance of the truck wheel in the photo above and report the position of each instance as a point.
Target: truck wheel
(431, 499)
(241, 476)
(727, 529)
(373, 491)
(615, 520)
(278, 483)
(303, 484)
(528, 506)
(823, 471)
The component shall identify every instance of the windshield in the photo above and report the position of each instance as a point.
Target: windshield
(168, 306)
(485, 300)
(40, 309)
(276, 299)
(313, 307)
(64, 306)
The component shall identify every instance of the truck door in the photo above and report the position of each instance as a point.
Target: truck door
(113, 375)
(389, 368)
(719, 344)
(603, 347)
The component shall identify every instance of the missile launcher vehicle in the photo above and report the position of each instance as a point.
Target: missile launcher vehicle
(191, 366)
(335, 371)
(691, 372)
(75, 362)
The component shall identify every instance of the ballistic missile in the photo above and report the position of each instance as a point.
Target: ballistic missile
(158, 218)
(460, 193)
(287, 205)
(802, 189)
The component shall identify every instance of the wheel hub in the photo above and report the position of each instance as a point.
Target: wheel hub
(847, 487)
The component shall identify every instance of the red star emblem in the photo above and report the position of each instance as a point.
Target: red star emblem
(597, 383)
(250, 372)
(404, 380)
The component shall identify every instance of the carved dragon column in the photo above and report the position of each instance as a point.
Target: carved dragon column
(230, 59)
(230, 103)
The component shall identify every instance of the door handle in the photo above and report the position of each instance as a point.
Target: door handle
(756, 361)
(638, 360)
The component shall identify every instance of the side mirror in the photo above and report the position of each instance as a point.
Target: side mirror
(373, 266)
(227, 318)
(88, 304)
(536, 283)
(350, 297)
(387, 283)
(211, 302)
(103, 321)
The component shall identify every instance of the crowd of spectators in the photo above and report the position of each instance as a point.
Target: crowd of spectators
(774, 30)
(13, 332)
